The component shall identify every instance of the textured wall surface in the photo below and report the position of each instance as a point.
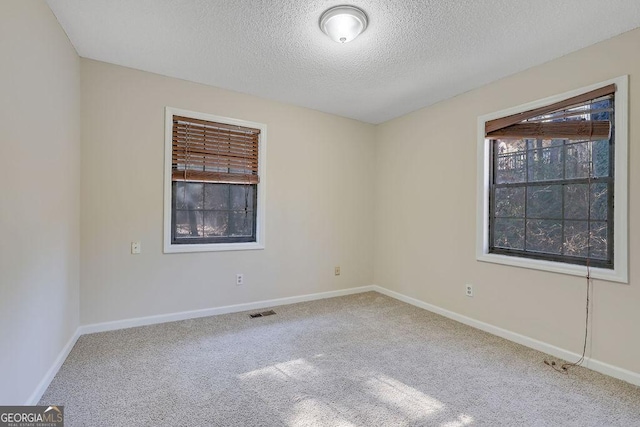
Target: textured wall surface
(426, 163)
(318, 212)
(40, 208)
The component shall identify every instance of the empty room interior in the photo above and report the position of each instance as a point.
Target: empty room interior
(285, 213)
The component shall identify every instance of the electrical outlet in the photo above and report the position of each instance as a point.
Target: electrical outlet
(469, 290)
(336, 271)
(239, 279)
(136, 247)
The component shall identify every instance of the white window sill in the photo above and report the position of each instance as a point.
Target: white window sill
(212, 247)
(555, 267)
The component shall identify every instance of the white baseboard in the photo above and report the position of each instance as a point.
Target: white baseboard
(53, 370)
(193, 314)
(172, 317)
(595, 365)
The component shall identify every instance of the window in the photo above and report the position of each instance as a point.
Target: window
(554, 181)
(214, 174)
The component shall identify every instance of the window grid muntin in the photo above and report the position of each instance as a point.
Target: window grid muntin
(608, 263)
(213, 239)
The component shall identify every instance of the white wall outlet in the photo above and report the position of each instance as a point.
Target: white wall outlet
(336, 271)
(468, 290)
(239, 279)
(136, 247)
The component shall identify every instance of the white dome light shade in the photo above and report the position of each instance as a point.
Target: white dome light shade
(343, 23)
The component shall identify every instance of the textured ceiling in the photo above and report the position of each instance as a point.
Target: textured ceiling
(413, 54)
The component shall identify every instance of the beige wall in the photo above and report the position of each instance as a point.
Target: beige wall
(39, 181)
(426, 213)
(318, 210)
(320, 200)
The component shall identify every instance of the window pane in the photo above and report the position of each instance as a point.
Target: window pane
(599, 201)
(544, 236)
(545, 163)
(216, 224)
(508, 233)
(216, 196)
(601, 105)
(213, 210)
(575, 238)
(535, 144)
(577, 160)
(188, 224)
(242, 196)
(576, 201)
(179, 194)
(510, 163)
(241, 223)
(509, 202)
(544, 202)
(601, 158)
(598, 240)
(188, 195)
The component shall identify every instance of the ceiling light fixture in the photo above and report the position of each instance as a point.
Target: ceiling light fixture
(343, 23)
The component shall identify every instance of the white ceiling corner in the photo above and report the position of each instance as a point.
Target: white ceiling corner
(412, 55)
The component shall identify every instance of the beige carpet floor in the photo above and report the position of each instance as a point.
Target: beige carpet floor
(360, 360)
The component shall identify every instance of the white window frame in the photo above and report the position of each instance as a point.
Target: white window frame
(620, 251)
(169, 247)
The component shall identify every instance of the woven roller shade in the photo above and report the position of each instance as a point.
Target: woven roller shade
(206, 151)
(584, 130)
(516, 126)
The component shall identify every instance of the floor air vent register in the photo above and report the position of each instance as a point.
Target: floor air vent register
(262, 314)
